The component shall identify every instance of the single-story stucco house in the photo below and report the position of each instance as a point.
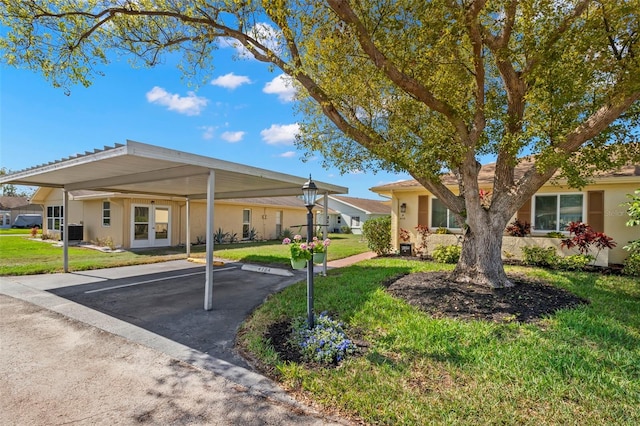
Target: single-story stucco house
(353, 212)
(126, 219)
(599, 204)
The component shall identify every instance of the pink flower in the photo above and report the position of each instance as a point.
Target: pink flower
(326, 242)
(286, 241)
(297, 237)
(303, 246)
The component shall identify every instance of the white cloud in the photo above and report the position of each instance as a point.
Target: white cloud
(189, 105)
(281, 86)
(288, 154)
(280, 134)
(232, 137)
(230, 81)
(207, 132)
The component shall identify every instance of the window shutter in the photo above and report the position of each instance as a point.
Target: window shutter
(524, 214)
(595, 210)
(423, 210)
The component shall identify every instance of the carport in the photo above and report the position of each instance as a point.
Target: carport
(138, 168)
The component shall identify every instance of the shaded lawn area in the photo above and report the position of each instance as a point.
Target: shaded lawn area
(422, 365)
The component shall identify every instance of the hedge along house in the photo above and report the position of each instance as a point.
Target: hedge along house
(137, 168)
(599, 204)
(115, 217)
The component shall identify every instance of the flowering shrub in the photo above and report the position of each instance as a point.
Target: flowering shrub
(299, 250)
(317, 246)
(325, 343)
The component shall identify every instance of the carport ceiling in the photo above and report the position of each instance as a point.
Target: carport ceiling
(139, 168)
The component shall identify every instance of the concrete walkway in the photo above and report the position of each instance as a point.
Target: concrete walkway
(62, 362)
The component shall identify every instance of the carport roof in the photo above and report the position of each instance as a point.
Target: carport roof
(140, 168)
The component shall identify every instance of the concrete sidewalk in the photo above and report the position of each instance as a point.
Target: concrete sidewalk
(61, 362)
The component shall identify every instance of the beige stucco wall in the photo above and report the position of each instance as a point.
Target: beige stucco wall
(228, 217)
(615, 194)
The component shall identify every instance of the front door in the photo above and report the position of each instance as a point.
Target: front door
(150, 226)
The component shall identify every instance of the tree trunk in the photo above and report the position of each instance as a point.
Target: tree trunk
(481, 258)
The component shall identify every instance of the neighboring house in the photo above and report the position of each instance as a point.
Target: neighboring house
(11, 207)
(140, 221)
(353, 212)
(600, 204)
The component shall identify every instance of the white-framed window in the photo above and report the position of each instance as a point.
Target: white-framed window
(55, 218)
(246, 223)
(553, 212)
(441, 216)
(106, 213)
(355, 221)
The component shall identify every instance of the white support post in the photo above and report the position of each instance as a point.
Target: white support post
(325, 229)
(188, 226)
(65, 230)
(208, 290)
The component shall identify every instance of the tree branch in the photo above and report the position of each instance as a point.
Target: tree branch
(408, 84)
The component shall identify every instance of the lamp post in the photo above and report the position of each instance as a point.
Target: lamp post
(309, 192)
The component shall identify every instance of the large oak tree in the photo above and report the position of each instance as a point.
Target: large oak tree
(421, 86)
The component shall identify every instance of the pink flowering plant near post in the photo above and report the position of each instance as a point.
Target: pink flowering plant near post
(317, 246)
(299, 250)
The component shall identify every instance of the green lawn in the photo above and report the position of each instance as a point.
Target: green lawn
(20, 255)
(579, 366)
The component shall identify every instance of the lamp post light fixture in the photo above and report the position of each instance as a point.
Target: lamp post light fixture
(309, 193)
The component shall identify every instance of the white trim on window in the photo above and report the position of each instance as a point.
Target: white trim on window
(106, 214)
(553, 211)
(450, 219)
(55, 218)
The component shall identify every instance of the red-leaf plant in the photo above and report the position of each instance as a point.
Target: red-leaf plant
(424, 232)
(583, 237)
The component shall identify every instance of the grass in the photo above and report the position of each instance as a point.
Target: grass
(579, 366)
(20, 255)
(342, 245)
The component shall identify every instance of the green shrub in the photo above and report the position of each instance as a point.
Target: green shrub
(442, 231)
(574, 262)
(344, 229)
(378, 234)
(555, 234)
(539, 256)
(446, 254)
(632, 264)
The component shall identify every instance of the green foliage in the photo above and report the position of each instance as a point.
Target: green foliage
(325, 343)
(344, 229)
(634, 220)
(442, 231)
(632, 264)
(446, 254)
(574, 262)
(378, 234)
(220, 236)
(539, 256)
(555, 234)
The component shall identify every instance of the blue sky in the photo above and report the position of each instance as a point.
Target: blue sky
(243, 113)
